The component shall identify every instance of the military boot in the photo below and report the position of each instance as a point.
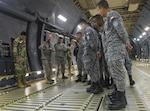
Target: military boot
(25, 83)
(98, 88)
(69, 73)
(79, 78)
(111, 95)
(132, 82)
(63, 76)
(89, 82)
(92, 87)
(113, 99)
(49, 82)
(111, 84)
(84, 78)
(104, 83)
(20, 84)
(119, 103)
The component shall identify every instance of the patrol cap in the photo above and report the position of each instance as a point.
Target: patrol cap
(23, 33)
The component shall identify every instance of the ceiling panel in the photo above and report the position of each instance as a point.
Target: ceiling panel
(130, 17)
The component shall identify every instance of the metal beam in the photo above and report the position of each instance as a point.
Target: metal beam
(6, 9)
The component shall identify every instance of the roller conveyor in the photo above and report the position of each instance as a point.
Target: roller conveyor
(70, 96)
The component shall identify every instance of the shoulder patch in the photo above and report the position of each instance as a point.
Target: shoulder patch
(88, 37)
(87, 33)
(115, 23)
(111, 18)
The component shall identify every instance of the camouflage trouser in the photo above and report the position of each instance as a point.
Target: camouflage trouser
(47, 68)
(60, 62)
(107, 69)
(80, 65)
(20, 69)
(128, 64)
(101, 66)
(118, 74)
(91, 66)
(69, 64)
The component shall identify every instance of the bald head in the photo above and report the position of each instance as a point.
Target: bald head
(49, 37)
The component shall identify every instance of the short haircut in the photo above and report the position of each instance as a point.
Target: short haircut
(83, 21)
(23, 33)
(60, 38)
(69, 44)
(49, 34)
(97, 16)
(103, 3)
(80, 33)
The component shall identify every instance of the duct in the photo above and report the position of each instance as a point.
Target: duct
(34, 32)
(133, 5)
(48, 24)
(6, 9)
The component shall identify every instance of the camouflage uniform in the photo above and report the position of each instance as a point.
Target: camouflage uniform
(46, 53)
(128, 64)
(69, 59)
(19, 53)
(103, 66)
(60, 57)
(91, 62)
(114, 39)
(80, 64)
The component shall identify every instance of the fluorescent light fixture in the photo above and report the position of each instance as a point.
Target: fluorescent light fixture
(79, 27)
(62, 18)
(138, 39)
(27, 74)
(53, 69)
(39, 72)
(144, 33)
(147, 28)
(140, 36)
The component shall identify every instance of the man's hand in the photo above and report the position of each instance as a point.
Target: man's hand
(17, 61)
(52, 49)
(98, 54)
(128, 47)
(42, 47)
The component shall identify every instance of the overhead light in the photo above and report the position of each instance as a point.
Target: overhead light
(53, 69)
(79, 27)
(147, 28)
(62, 18)
(27, 74)
(138, 39)
(39, 72)
(140, 36)
(134, 39)
(144, 33)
